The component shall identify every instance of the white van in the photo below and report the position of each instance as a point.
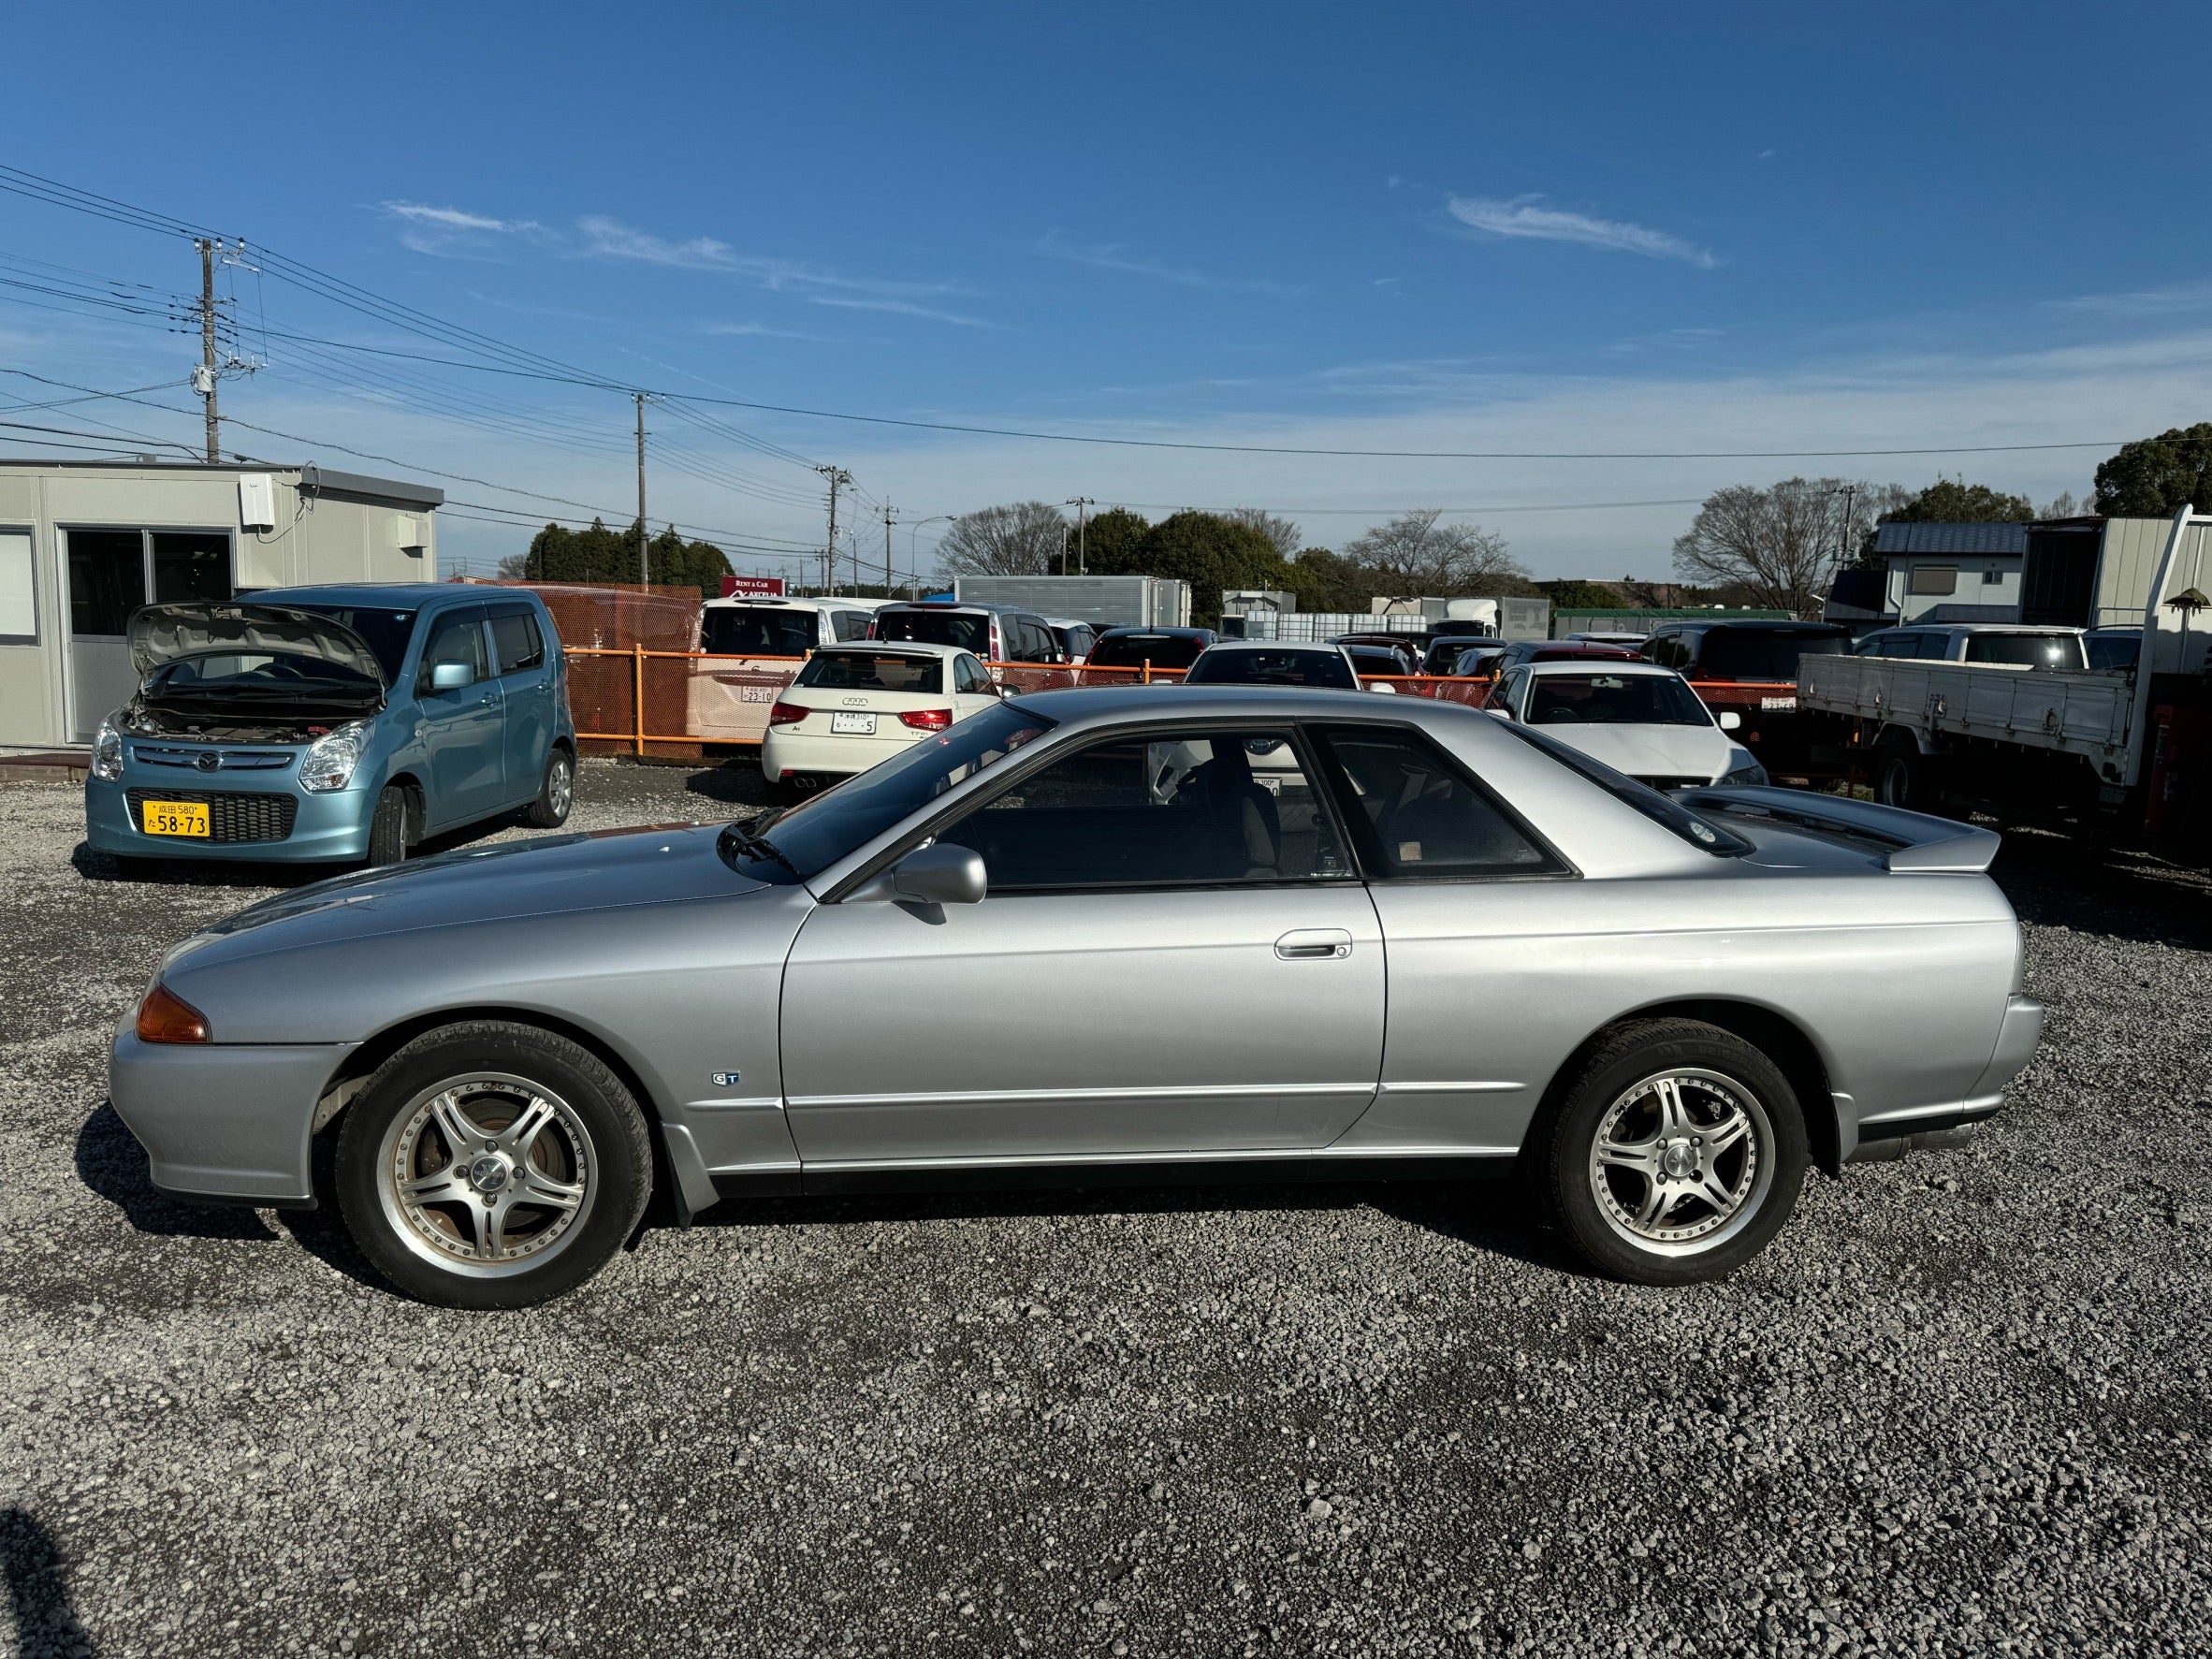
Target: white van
(752, 645)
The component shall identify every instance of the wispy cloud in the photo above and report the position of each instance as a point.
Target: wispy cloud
(2178, 299)
(453, 233)
(761, 329)
(1522, 217)
(901, 308)
(1117, 257)
(609, 239)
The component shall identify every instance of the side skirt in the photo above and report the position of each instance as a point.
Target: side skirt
(999, 1177)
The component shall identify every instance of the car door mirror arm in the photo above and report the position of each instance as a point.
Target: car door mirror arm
(937, 874)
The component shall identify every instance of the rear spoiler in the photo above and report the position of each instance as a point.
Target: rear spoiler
(1914, 840)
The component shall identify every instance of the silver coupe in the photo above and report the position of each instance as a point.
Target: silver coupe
(1096, 936)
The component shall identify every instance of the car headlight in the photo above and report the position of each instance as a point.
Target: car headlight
(1743, 768)
(329, 764)
(108, 753)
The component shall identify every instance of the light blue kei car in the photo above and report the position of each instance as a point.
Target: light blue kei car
(332, 725)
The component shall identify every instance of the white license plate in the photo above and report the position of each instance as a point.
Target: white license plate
(1777, 703)
(758, 694)
(857, 725)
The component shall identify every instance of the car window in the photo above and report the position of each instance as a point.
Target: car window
(1032, 641)
(1503, 691)
(850, 624)
(2032, 650)
(385, 632)
(1205, 808)
(2114, 650)
(1140, 646)
(456, 637)
(1416, 816)
(1671, 815)
(516, 638)
(1285, 667)
(756, 630)
(874, 671)
(1614, 698)
(1762, 653)
(965, 630)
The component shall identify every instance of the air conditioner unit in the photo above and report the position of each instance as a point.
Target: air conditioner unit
(410, 533)
(257, 501)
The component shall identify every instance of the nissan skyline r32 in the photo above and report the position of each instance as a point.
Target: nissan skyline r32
(1071, 938)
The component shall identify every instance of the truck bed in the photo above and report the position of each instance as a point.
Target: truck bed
(2083, 714)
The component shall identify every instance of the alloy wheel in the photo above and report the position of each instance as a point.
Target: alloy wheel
(1681, 1162)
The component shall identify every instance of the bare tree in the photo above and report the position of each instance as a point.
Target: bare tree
(1020, 539)
(2064, 506)
(1776, 544)
(514, 567)
(1415, 555)
(1287, 538)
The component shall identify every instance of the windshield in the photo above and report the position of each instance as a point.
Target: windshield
(2032, 650)
(1614, 698)
(1271, 668)
(874, 671)
(1758, 653)
(755, 630)
(385, 632)
(825, 829)
(1670, 815)
(965, 630)
(272, 674)
(1162, 650)
(1375, 662)
(2114, 650)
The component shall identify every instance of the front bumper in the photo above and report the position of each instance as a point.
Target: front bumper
(227, 1124)
(326, 828)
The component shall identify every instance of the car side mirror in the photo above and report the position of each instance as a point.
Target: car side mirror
(451, 677)
(937, 874)
(1730, 720)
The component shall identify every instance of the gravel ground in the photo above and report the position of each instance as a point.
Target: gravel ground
(1959, 1407)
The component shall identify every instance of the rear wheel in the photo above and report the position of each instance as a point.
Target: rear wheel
(388, 837)
(556, 793)
(1675, 1156)
(491, 1165)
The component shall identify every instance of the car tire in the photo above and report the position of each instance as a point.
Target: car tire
(388, 827)
(492, 1165)
(1905, 777)
(1621, 1160)
(556, 793)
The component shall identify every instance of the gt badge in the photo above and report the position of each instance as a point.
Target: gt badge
(723, 1080)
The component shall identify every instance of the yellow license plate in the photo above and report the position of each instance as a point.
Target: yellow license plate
(176, 818)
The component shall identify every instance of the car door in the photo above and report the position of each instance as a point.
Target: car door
(463, 726)
(1172, 960)
(972, 688)
(528, 699)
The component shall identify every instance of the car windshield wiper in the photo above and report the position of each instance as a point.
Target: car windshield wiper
(741, 836)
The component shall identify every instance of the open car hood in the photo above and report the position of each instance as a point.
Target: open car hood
(163, 633)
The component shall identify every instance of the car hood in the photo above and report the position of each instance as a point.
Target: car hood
(1650, 751)
(163, 633)
(548, 875)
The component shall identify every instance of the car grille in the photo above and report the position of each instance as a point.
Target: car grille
(1669, 781)
(231, 817)
(210, 760)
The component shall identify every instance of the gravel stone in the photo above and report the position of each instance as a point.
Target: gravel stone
(1959, 1407)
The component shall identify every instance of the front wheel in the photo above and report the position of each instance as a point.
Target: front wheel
(492, 1165)
(1675, 1154)
(388, 826)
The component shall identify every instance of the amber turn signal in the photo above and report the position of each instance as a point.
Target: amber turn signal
(165, 1017)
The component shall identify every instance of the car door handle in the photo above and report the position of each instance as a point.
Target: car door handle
(1314, 944)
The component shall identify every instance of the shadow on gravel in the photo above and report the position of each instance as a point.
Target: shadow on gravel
(45, 1620)
(737, 784)
(113, 1164)
(1494, 1216)
(2062, 881)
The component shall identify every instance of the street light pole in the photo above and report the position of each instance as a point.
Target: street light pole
(914, 558)
(1083, 504)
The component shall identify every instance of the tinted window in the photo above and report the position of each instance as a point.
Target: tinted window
(1935, 578)
(1375, 662)
(2114, 650)
(1416, 815)
(1269, 668)
(107, 579)
(1148, 811)
(965, 630)
(1027, 640)
(850, 624)
(1759, 653)
(385, 632)
(1162, 650)
(1614, 698)
(190, 564)
(756, 630)
(457, 637)
(835, 823)
(1672, 815)
(2033, 650)
(514, 637)
(874, 671)
(969, 676)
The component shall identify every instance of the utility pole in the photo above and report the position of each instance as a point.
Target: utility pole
(204, 382)
(886, 549)
(644, 535)
(1083, 504)
(838, 478)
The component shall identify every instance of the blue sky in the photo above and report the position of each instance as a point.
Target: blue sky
(1428, 227)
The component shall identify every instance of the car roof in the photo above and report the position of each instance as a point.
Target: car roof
(1599, 665)
(903, 648)
(1325, 648)
(772, 602)
(1177, 632)
(1985, 628)
(393, 596)
(982, 606)
(1762, 624)
(1136, 704)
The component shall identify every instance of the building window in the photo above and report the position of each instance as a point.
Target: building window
(190, 564)
(1935, 578)
(1991, 576)
(19, 599)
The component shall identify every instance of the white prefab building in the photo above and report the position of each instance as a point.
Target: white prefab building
(85, 544)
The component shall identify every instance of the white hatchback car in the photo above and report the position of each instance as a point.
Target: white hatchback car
(856, 704)
(1636, 718)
